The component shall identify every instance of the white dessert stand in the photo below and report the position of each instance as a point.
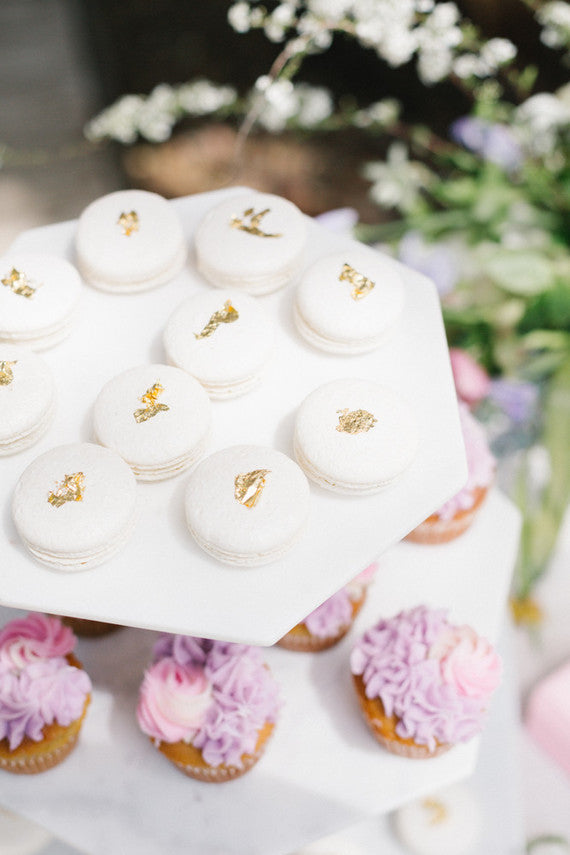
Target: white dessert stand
(322, 771)
(162, 579)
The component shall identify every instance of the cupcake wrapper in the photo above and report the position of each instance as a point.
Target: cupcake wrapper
(219, 774)
(416, 752)
(40, 763)
(435, 530)
(310, 643)
(89, 628)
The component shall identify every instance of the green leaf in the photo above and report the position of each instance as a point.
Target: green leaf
(548, 311)
(522, 272)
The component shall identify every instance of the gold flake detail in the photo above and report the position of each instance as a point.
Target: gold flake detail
(361, 285)
(249, 485)
(227, 315)
(253, 227)
(70, 490)
(355, 421)
(438, 810)
(129, 222)
(6, 373)
(19, 283)
(151, 408)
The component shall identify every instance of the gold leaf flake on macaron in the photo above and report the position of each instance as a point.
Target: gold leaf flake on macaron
(129, 222)
(6, 373)
(70, 490)
(361, 285)
(19, 283)
(227, 315)
(248, 486)
(253, 227)
(355, 421)
(152, 407)
(439, 812)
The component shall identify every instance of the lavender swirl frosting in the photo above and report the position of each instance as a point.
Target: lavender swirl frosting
(241, 697)
(480, 465)
(434, 677)
(335, 614)
(38, 686)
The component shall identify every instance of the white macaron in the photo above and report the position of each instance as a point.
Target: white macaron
(223, 338)
(156, 417)
(129, 241)
(253, 242)
(354, 436)
(75, 506)
(39, 299)
(446, 823)
(27, 398)
(347, 303)
(247, 504)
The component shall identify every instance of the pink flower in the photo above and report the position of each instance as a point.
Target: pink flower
(34, 637)
(472, 383)
(467, 662)
(173, 701)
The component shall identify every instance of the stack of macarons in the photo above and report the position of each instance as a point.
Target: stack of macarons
(27, 398)
(39, 299)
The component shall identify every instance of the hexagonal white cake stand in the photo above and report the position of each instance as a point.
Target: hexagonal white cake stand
(162, 579)
(322, 770)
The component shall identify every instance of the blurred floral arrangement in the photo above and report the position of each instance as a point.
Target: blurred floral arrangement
(485, 212)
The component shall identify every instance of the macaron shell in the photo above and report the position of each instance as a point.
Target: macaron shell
(28, 400)
(226, 254)
(166, 437)
(233, 352)
(328, 315)
(76, 527)
(230, 528)
(362, 461)
(48, 313)
(108, 257)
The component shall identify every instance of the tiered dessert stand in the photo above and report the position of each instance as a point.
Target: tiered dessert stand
(322, 769)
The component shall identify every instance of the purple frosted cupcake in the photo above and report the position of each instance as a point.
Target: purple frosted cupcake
(330, 621)
(423, 683)
(208, 706)
(44, 694)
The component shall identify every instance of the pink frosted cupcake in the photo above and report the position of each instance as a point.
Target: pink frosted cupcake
(208, 706)
(330, 621)
(44, 694)
(457, 514)
(423, 683)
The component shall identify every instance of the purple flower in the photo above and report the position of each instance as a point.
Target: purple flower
(494, 142)
(517, 399)
(339, 220)
(438, 261)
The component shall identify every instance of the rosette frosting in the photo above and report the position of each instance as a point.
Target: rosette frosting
(480, 465)
(435, 678)
(38, 686)
(215, 695)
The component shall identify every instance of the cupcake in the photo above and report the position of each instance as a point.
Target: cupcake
(89, 628)
(423, 683)
(129, 241)
(348, 303)
(208, 706)
(252, 242)
(222, 338)
(330, 621)
(354, 436)
(457, 514)
(44, 694)
(39, 299)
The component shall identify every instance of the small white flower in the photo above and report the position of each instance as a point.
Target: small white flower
(315, 105)
(469, 65)
(434, 65)
(423, 6)
(498, 51)
(370, 32)
(330, 9)
(238, 17)
(398, 46)
(397, 182)
(274, 31)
